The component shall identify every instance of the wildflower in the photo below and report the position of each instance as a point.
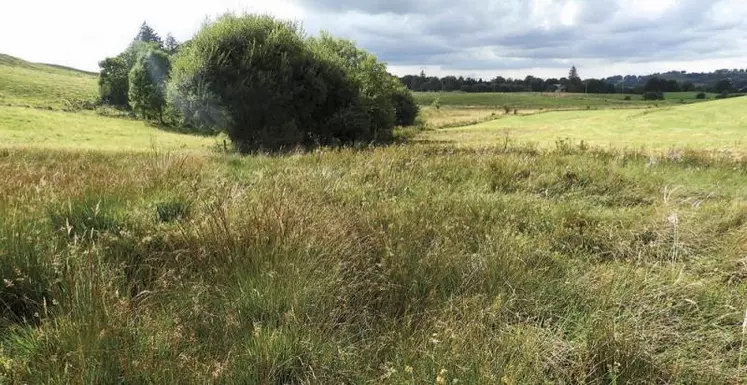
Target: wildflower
(441, 378)
(408, 369)
(7, 282)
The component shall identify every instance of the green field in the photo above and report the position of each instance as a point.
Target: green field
(532, 100)
(34, 128)
(129, 254)
(717, 125)
(37, 85)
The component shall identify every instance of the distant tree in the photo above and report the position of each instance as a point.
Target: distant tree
(171, 45)
(574, 81)
(722, 86)
(113, 82)
(147, 93)
(148, 34)
(688, 86)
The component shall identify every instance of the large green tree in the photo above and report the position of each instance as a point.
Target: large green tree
(268, 87)
(148, 35)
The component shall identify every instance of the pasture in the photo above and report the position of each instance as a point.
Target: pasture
(551, 101)
(479, 254)
(717, 125)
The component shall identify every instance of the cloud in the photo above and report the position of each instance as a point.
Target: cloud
(478, 36)
(482, 37)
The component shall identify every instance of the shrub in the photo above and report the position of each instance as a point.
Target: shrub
(406, 109)
(148, 84)
(437, 103)
(701, 95)
(653, 95)
(259, 80)
(628, 98)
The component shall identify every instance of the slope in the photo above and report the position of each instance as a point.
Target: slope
(43, 86)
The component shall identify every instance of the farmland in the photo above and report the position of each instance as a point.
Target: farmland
(480, 254)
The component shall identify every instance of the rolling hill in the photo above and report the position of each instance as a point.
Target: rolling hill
(29, 84)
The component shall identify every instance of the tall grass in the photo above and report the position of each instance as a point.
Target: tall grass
(407, 264)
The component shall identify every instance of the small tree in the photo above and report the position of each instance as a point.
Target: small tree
(437, 103)
(113, 82)
(148, 84)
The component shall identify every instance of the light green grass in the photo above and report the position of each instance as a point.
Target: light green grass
(717, 125)
(33, 128)
(38, 85)
(533, 100)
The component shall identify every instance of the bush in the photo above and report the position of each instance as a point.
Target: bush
(259, 80)
(701, 95)
(406, 109)
(653, 95)
(628, 98)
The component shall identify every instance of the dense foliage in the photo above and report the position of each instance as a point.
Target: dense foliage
(147, 91)
(115, 77)
(268, 87)
(676, 81)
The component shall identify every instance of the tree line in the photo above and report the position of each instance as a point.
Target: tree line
(260, 80)
(721, 81)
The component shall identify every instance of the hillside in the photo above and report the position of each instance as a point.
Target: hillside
(713, 125)
(44, 86)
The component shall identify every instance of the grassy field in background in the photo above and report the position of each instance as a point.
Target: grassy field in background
(38, 85)
(717, 125)
(531, 100)
(34, 128)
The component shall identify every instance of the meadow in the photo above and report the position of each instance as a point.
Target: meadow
(717, 125)
(509, 259)
(553, 101)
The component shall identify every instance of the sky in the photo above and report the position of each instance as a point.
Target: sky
(479, 38)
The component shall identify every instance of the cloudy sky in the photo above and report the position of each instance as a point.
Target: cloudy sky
(482, 38)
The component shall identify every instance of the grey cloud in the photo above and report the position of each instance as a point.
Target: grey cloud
(515, 34)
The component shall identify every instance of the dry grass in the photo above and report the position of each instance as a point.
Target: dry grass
(408, 264)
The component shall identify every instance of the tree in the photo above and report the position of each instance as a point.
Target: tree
(148, 34)
(722, 86)
(259, 80)
(171, 45)
(113, 82)
(148, 78)
(406, 109)
(574, 83)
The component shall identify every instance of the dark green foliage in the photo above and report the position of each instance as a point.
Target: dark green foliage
(26, 275)
(651, 95)
(148, 84)
(148, 34)
(83, 219)
(172, 210)
(701, 95)
(406, 107)
(113, 82)
(259, 80)
(724, 86)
